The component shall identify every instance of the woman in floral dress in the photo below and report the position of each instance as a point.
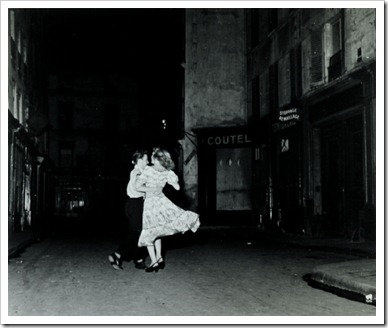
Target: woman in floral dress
(161, 217)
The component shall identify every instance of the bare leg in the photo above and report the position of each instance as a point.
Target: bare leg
(158, 248)
(151, 252)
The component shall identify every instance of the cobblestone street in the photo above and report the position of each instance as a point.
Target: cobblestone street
(208, 274)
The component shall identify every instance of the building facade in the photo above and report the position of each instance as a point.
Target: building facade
(29, 167)
(96, 126)
(280, 118)
(215, 101)
(312, 90)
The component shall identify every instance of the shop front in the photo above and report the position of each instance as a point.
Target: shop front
(341, 180)
(287, 170)
(225, 157)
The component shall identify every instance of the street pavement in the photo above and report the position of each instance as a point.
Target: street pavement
(354, 279)
(351, 279)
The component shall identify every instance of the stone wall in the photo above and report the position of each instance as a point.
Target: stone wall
(215, 78)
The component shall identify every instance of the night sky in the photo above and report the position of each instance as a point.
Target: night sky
(115, 38)
(144, 44)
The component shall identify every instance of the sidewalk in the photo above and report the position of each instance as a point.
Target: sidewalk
(20, 240)
(365, 249)
(351, 279)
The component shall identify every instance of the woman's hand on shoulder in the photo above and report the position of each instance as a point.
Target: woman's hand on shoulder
(136, 171)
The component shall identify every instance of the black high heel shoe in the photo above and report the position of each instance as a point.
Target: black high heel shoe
(161, 263)
(115, 261)
(153, 267)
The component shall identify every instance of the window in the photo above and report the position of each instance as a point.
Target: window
(284, 81)
(254, 28)
(13, 53)
(272, 19)
(316, 56)
(24, 52)
(14, 100)
(256, 99)
(284, 39)
(12, 23)
(306, 13)
(336, 61)
(296, 72)
(336, 36)
(66, 154)
(20, 107)
(264, 94)
(66, 113)
(111, 117)
(264, 53)
(273, 89)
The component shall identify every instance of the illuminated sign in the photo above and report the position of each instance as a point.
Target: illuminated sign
(287, 118)
(292, 114)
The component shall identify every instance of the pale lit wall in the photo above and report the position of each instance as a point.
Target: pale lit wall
(215, 78)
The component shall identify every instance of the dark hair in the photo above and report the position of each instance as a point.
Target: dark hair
(138, 154)
(164, 157)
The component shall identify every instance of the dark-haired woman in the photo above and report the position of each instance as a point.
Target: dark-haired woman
(128, 249)
(161, 217)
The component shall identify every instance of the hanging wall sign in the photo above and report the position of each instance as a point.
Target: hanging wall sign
(287, 118)
(292, 114)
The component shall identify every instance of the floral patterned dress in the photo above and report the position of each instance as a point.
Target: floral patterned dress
(161, 217)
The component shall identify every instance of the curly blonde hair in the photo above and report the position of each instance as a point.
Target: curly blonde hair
(164, 158)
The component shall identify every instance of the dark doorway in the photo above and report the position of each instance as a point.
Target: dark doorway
(343, 194)
(288, 184)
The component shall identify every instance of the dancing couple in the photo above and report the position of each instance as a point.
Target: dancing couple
(151, 215)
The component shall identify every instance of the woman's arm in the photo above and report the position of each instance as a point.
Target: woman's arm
(173, 180)
(140, 183)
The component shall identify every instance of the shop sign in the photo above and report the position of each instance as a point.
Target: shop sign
(292, 114)
(228, 140)
(287, 118)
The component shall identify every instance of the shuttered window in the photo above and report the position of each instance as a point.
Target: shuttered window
(264, 54)
(336, 33)
(336, 62)
(254, 28)
(284, 39)
(272, 19)
(296, 72)
(316, 56)
(256, 99)
(273, 91)
(264, 94)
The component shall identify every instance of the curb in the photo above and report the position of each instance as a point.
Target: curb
(352, 279)
(21, 246)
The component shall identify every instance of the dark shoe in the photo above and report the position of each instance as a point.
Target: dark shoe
(153, 267)
(140, 265)
(161, 263)
(115, 261)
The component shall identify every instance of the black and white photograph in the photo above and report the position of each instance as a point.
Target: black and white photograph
(192, 162)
